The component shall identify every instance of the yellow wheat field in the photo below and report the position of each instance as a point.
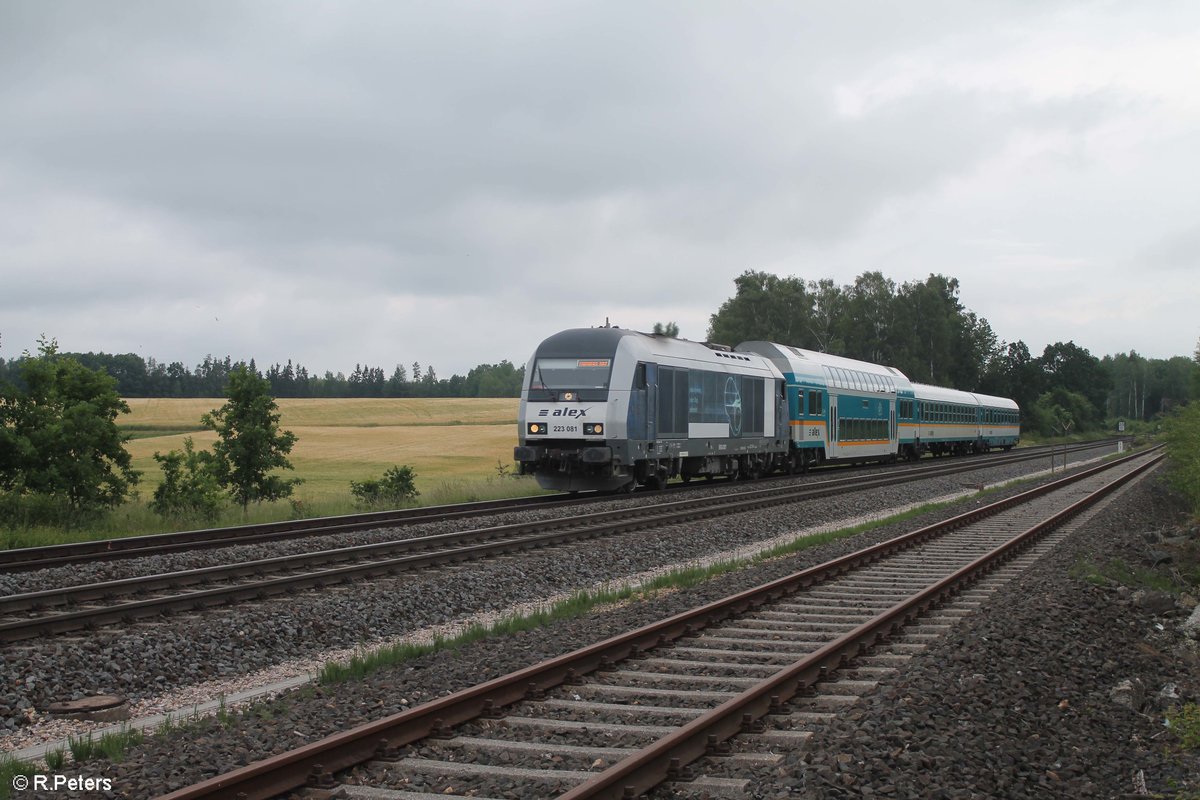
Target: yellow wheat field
(181, 413)
(339, 440)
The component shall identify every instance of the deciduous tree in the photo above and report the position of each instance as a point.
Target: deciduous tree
(250, 444)
(669, 329)
(59, 436)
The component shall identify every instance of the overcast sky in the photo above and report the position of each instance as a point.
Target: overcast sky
(450, 183)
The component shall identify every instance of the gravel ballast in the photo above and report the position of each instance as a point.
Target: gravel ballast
(145, 660)
(209, 747)
(1026, 699)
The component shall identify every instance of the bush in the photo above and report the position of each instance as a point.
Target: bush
(1182, 434)
(189, 489)
(394, 488)
(19, 511)
(1059, 411)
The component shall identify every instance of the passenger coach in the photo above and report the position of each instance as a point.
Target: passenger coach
(839, 408)
(950, 422)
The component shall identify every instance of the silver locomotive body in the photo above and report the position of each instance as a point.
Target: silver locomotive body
(608, 409)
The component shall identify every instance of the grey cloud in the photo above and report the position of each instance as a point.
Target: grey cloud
(1179, 250)
(638, 153)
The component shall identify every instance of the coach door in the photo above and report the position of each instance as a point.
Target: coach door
(833, 427)
(651, 384)
(636, 420)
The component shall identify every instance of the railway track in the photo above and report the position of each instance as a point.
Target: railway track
(32, 558)
(621, 716)
(64, 609)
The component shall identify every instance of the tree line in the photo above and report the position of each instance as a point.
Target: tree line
(923, 329)
(136, 376)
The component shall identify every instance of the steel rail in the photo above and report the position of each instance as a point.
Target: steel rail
(313, 762)
(24, 559)
(434, 550)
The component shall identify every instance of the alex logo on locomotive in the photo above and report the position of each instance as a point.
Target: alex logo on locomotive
(574, 413)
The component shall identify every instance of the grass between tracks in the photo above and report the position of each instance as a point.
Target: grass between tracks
(584, 601)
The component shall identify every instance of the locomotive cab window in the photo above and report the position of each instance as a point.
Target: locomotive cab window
(573, 373)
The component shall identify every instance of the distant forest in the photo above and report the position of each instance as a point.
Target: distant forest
(146, 377)
(919, 327)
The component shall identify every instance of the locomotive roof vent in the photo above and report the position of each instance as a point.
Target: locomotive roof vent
(714, 346)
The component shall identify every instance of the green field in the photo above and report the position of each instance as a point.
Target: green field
(339, 440)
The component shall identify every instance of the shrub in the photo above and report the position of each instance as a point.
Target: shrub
(189, 489)
(31, 510)
(1182, 434)
(394, 488)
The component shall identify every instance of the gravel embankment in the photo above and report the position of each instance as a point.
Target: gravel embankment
(209, 747)
(1023, 701)
(147, 659)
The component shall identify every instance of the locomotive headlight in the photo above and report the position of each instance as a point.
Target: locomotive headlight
(568, 395)
(536, 428)
(593, 428)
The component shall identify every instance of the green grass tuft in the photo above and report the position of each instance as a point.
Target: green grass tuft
(82, 747)
(1185, 724)
(10, 768)
(111, 746)
(55, 759)
(1117, 571)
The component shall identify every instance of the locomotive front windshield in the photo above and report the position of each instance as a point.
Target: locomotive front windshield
(558, 374)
